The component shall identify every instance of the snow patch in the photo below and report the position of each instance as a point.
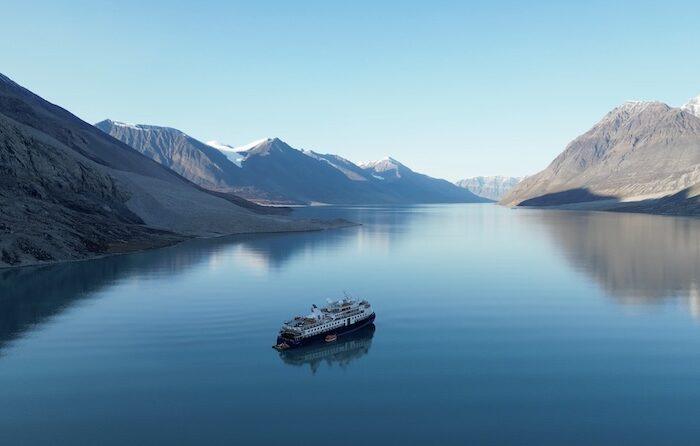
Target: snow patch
(692, 106)
(251, 145)
(229, 151)
(128, 125)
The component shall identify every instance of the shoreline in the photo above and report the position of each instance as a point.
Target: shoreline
(620, 207)
(184, 238)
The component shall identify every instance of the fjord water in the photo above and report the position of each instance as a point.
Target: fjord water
(494, 326)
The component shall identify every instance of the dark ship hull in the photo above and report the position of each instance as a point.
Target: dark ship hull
(342, 352)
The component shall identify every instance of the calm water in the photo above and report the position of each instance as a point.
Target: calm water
(494, 326)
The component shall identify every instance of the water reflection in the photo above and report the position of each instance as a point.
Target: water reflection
(342, 352)
(635, 258)
(270, 252)
(382, 227)
(31, 296)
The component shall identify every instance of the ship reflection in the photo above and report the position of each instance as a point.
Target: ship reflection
(342, 352)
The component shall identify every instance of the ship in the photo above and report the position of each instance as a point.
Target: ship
(338, 318)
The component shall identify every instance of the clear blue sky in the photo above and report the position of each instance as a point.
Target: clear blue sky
(451, 89)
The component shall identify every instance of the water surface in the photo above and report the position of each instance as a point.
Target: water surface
(494, 326)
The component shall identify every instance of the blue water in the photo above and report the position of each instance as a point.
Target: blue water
(494, 326)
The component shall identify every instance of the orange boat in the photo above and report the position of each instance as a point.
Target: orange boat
(331, 337)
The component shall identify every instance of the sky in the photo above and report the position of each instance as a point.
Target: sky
(451, 89)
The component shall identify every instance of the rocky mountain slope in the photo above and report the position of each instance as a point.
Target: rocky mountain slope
(68, 191)
(493, 187)
(638, 151)
(177, 151)
(271, 171)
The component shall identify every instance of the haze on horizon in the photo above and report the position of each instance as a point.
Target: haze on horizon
(448, 89)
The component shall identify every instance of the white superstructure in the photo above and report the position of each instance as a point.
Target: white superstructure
(335, 317)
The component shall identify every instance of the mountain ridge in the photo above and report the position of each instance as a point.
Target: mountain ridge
(271, 171)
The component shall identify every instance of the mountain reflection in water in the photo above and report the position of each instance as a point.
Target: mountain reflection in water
(638, 259)
(346, 349)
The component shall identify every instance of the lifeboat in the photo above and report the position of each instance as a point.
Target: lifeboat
(331, 337)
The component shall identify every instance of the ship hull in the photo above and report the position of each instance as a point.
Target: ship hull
(322, 336)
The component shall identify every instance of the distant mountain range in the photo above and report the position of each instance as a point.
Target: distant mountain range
(270, 171)
(642, 156)
(493, 187)
(68, 191)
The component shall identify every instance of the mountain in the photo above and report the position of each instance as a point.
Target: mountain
(271, 171)
(280, 170)
(312, 177)
(638, 151)
(493, 188)
(194, 160)
(213, 166)
(415, 187)
(348, 168)
(309, 176)
(68, 191)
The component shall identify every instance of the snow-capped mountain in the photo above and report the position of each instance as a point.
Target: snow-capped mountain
(386, 168)
(403, 182)
(310, 176)
(271, 171)
(692, 106)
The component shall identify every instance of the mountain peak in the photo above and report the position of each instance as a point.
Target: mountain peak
(634, 116)
(692, 106)
(386, 163)
(639, 106)
(385, 168)
(111, 122)
(258, 146)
